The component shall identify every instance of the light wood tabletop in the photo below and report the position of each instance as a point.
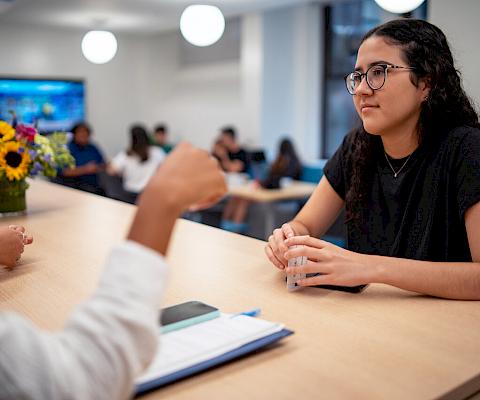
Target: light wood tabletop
(384, 343)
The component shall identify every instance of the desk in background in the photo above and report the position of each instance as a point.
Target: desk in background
(384, 343)
(266, 198)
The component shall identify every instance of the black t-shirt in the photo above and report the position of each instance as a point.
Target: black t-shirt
(242, 156)
(420, 213)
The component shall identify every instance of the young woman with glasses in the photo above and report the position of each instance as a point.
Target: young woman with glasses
(408, 177)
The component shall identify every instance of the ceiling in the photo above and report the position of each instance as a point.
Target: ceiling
(134, 16)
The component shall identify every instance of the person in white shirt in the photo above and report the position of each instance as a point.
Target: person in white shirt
(112, 337)
(137, 164)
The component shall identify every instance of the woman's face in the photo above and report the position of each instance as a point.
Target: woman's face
(396, 106)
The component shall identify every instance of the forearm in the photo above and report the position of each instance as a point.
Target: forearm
(154, 223)
(74, 172)
(448, 280)
(299, 227)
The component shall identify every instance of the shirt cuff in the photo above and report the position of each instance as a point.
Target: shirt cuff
(137, 269)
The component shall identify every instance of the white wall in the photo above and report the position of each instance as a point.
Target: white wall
(459, 22)
(291, 78)
(114, 90)
(197, 99)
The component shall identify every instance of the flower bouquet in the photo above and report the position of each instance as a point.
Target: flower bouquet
(26, 153)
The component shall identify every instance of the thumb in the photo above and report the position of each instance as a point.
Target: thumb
(288, 231)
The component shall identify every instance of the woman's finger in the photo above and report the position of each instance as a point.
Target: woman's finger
(287, 231)
(272, 258)
(272, 243)
(312, 253)
(309, 267)
(17, 228)
(27, 239)
(307, 241)
(281, 247)
(326, 279)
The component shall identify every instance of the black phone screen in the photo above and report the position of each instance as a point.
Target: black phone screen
(180, 312)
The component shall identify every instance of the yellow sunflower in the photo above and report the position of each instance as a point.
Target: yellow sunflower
(6, 132)
(14, 160)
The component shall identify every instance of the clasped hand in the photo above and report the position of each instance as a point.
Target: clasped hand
(336, 265)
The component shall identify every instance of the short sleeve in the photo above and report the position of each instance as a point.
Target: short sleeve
(157, 154)
(100, 158)
(334, 170)
(119, 161)
(467, 171)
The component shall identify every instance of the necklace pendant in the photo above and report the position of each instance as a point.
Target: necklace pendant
(395, 175)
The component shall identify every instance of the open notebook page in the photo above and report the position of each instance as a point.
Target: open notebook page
(189, 346)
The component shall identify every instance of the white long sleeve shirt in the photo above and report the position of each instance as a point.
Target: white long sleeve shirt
(107, 342)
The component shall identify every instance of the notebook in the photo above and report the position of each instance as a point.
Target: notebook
(199, 347)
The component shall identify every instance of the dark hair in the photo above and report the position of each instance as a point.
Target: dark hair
(286, 159)
(425, 48)
(230, 131)
(161, 128)
(80, 125)
(139, 143)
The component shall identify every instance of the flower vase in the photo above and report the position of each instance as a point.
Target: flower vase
(12, 198)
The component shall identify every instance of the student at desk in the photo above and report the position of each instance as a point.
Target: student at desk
(112, 337)
(409, 176)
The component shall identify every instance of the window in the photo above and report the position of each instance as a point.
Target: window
(345, 25)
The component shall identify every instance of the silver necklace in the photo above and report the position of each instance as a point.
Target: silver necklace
(395, 173)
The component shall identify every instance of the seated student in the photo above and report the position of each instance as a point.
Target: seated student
(112, 337)
(12, 242)
(408, 177)
(160, 138)
(233, 159)
(286, 165)
(89, 161)
(137, 164)
(236, 158)
(219, 151)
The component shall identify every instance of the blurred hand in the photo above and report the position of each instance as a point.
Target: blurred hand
(90, 168)
(12, 242)
(276, 247)
(190, 177)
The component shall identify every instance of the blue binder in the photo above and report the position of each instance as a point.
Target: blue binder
(213, 362)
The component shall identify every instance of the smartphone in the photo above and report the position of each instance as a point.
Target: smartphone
(186, 314)
(349, 289)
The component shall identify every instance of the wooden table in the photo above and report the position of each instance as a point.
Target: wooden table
(384, 343)
(266, 198)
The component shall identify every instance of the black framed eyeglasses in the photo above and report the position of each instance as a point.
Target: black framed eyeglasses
(376, 76)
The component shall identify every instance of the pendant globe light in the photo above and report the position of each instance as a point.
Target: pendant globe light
(99, 47)
(202, 25)
(399, 6)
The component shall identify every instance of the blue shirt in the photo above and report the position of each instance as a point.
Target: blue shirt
(83, 155)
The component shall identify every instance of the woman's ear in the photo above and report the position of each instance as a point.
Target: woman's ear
(425, 87)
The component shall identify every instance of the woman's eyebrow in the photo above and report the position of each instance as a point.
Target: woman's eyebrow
(379, 62)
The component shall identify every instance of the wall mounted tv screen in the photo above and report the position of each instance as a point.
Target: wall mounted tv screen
(49, 104)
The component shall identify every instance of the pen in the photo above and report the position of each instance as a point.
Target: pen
(250, 313)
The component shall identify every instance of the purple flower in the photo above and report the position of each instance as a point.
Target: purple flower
(32, 153)
(48, 158)
(37, 167)
(26, 132)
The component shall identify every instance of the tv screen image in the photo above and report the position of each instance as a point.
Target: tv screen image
(49, 104)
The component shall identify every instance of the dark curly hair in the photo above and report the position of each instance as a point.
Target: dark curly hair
(425, 48)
